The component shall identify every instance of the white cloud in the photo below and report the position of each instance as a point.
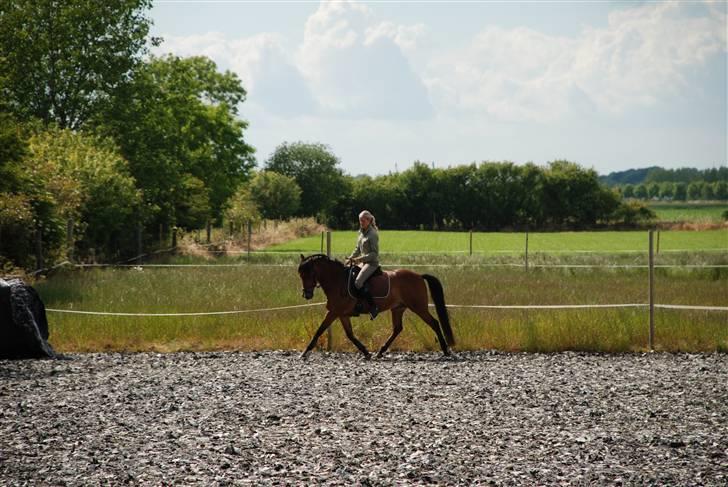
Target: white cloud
(638, 59)
(357, 68)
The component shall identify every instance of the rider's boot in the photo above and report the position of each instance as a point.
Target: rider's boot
(373, 310)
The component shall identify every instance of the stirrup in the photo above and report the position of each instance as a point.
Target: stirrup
(373, 312)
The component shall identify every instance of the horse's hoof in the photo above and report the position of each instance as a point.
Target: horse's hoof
(303, 356)
(367, 356)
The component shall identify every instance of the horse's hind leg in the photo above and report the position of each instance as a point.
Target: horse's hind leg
(396, 329)
(346, 323)
(424, 313)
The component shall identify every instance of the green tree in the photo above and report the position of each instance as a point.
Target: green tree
(628, 191)
(316, 171)
(681, 191)
(706, 193)
(667, 190)
(720, 190)
(177, 123)
(653, 190)
(85, 179)
(640, 192)
(694, 190)
(277, 196)
(241, 208)
(62, 60)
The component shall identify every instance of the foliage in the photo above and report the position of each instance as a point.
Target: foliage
(62, 60)
(242, 208)
(276, 195)
(315, 169)
(177, 125)
(634, 212)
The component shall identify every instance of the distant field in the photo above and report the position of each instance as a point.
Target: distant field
(687, 212)
(395, 241)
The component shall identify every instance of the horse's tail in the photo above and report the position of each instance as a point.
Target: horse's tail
(438, 296)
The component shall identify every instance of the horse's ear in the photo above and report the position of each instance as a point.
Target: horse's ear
(302, 257)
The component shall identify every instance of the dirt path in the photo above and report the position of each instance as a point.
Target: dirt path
(269, 418)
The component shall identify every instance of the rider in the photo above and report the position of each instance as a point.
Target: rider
(366, 252)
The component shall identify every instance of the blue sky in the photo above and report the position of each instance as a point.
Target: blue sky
(610, 85)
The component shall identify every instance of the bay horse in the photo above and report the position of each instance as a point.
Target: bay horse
(406, 289)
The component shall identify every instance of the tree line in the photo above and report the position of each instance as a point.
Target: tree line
(104, 145)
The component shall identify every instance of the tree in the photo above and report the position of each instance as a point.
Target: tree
(667, 190)
(681, 191)
(694, 190)
(84, 178)
(706, 193)
(177, 123)
(62, 60)
(315, 169)
(720, 189)
(653, 190)
(241, 208)
(640, 192)
(628, 191)
(277, 196)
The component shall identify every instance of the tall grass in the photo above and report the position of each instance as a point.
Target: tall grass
(689, 212)
(245, 287)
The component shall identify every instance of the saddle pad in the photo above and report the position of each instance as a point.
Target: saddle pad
(378, 285)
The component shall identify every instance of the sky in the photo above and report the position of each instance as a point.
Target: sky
(609, 85)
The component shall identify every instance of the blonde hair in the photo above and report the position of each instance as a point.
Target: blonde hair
(368, 214)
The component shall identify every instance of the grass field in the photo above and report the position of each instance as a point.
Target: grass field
(689, 212)
(394, 241)
(245, 287)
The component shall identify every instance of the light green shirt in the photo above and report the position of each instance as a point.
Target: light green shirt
(367, 246)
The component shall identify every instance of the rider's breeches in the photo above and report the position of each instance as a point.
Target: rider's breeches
(366, 271)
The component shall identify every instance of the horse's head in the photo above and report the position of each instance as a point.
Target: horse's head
(318, 270)
(307, 272)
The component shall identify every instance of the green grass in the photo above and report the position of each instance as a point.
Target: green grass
(398, 242)
(162, 290)
(689, 212)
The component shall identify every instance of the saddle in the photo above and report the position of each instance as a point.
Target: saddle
(378, 283)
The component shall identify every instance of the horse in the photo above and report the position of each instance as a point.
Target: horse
(406, 289)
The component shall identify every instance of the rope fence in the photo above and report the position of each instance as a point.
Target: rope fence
(472, 306)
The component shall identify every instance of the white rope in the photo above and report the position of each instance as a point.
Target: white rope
(101, 313)
(685, 306)
(473, 306)
(546, 306)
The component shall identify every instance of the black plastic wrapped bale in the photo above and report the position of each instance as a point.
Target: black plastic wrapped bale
(23, 323)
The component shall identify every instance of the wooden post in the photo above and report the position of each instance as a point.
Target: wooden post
(232, 231)
(322, 242)
(69, 239)
(651, 279)
(174, 237)
(526, 255)
(209, 231)
(329, 337)
(471, 242)
(161, 242)
(657, 250)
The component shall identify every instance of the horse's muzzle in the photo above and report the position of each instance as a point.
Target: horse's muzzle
(308, 293)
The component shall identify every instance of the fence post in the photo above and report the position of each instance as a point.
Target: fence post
(161, 242)
(329, 338)
(209, 231)
(651, 279)
(471, 242)
(174, 237)
(322, 241)
(526, 256)
(657, 250)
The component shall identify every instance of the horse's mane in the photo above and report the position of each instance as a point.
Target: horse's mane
(316, 257)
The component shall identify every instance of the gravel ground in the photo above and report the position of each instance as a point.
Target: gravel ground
(270, 418)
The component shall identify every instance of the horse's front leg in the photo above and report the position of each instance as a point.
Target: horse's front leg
(328, 319)
(346, 323)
